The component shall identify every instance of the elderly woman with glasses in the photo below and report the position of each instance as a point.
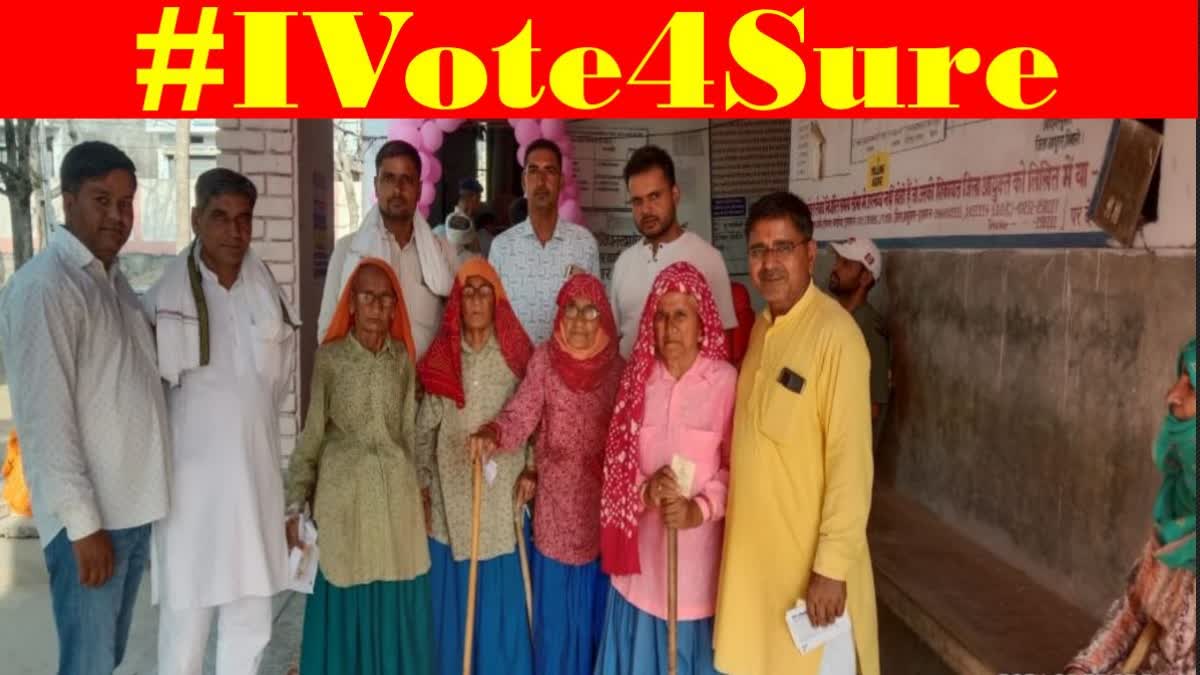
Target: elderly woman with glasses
(471, 369)
(674, 413)
(371, 607)
(567, 396)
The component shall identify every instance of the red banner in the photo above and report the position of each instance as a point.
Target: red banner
(617, 59)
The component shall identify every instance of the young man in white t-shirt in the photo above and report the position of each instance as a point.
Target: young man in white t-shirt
(654, 197)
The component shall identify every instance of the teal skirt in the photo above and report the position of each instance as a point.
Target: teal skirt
(379, 628)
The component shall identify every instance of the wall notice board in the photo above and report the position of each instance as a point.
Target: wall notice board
(961, 183)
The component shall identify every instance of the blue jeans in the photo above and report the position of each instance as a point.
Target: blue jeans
(93, 623)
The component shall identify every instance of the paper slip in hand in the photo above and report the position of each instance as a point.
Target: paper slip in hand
(302, 563)
(685, 472)
(490, 470)
(837, 638)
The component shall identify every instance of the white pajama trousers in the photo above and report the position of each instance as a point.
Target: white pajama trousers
(243, 631)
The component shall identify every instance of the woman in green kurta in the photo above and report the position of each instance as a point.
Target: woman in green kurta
(370, 611)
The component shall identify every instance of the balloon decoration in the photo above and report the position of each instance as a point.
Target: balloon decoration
(427, 135)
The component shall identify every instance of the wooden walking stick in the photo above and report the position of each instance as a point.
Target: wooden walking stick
(473, 577)
(682, 470)
(672, 600)
(519, 524)
(1141, 648)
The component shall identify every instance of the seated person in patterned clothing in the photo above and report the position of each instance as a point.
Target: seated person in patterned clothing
(1151, 628)
(371, 608)
(474, 364)
(567, 394)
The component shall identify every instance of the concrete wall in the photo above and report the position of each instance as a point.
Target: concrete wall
(1028, 392)
(314, 235)
(1029, 389)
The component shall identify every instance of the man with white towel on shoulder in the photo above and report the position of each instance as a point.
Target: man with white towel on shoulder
(393, 230)
(225, 338)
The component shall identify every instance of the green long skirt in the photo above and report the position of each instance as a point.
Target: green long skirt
(378, 628)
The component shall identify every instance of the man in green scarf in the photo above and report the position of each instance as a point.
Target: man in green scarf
(1151, 628)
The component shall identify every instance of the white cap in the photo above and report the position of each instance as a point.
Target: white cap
(460, 229)
(861, 250)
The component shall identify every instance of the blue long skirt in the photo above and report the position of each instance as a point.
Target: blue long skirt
(378, 628)
(568, 613)
(501, 644)
(635, 643)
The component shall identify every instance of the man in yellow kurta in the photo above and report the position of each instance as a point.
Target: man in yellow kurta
(802, 467)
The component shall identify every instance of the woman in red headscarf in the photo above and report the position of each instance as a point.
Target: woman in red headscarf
(473, 366)
(567, 395)
(666, 465)
(370, 611)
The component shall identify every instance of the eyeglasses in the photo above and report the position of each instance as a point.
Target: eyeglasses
(781, 248)
(484, 291)
(385, 300)
(589, 313)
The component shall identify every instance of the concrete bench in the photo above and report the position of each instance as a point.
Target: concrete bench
(979, 614)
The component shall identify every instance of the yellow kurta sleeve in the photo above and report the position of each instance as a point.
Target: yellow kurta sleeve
(844, 400)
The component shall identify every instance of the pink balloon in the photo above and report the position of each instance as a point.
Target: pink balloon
(571, 212)
(570, 191)
(554, 129)
(426, 162)
(399, 124)
(521, 154)
(526, 132)
(410, 135)
(428, 192)
(434, 174)
(566, 147)
(423, 209)
(448, 125)
(431, 136)
(568, 167)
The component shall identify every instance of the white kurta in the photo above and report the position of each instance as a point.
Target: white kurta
(224, 536)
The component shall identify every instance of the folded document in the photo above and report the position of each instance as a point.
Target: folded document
(837, 638)
(302, 563)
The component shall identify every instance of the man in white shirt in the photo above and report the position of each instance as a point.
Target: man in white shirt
(394, 231)
(654, 197)
(535, 257)
(226, 349)
(89, 410)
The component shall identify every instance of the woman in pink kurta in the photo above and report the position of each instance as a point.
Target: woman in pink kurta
(567, 397)
(667, 466)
